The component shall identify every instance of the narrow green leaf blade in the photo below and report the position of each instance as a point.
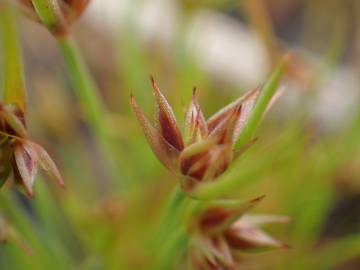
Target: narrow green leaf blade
(13, 84)
(266, 94)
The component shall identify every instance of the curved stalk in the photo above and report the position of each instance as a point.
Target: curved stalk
(89, 98)
(168, 218)
(13, 84)
(266, 94)
(83, 84)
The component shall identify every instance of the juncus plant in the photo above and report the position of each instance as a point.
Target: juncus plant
(20, 156)
(62, 14)
(58, 16)
(198, 158)
(212, 231)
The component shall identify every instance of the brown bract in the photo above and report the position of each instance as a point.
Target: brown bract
(206, 148)
(67, 11)
(19, 156)
(223, 231)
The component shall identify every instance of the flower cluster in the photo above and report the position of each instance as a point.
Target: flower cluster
(218, 229)
(222, 232)
(20, 156)
(206, 149)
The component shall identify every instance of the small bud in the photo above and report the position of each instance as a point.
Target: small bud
(26, 165)
(221, 229)
(19, 154)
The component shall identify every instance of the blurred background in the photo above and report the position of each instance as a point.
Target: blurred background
(306, 162)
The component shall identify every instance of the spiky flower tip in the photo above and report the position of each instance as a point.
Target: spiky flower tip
(20, 156)
(65, 13)
(222, 233)
(207, 147)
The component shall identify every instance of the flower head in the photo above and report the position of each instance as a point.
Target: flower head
(205, 150)
(20, 156)
(65, 11)
(223, 231)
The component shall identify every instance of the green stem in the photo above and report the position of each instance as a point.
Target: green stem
(84, 87)
(13, 83)
(168, 219)
(50, 15)
(89, 98)
(172, 234)
(173, 247)
(43, 249)
(266, 94)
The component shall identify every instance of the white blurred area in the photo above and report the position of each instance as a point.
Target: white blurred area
(154, 19)
(221, 45)
(225, 49)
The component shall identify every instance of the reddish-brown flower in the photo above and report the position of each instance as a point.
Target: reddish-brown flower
(66, 11)
(206, 149)
(222, 231)
(20, 156)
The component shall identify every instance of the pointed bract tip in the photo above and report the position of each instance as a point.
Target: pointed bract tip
(133, 101)
(152, 80)
(237, 109)
(30, 193)
(155, 89)
(258, 199)
(61, 183)
(194, 91)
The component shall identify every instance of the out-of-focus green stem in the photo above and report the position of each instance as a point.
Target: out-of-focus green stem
(260, 21)
(89, 98)
(43, 250)
(13, 83)
(265, 96)
(173, 232)
(50, 14)
(176, 242)
(167, 220)
(84, 87)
